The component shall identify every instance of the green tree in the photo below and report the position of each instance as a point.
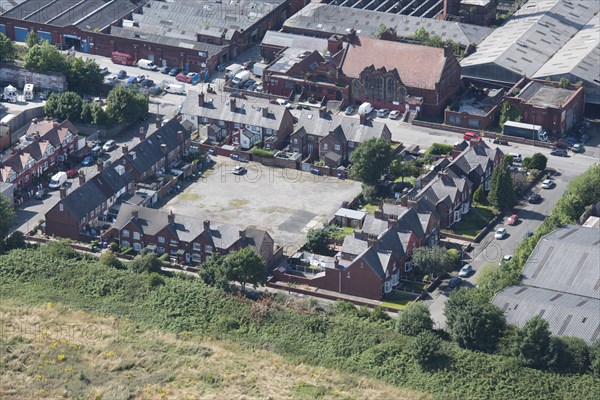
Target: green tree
(473, 322)
(99, 116)
(109, 259)
(86, 112)
(479, 196)
(538, 161)
(16, 241)
(508, 159)
(83, 76)
(532, 343)
(421, 34)
(8, 52)
(316, 240)
(415, 319)
(502, 192)
(564, 83)
(214, 272)
(405, 168)
(595, 358)
(425, 348)
(246, 267)
(370, 159)
(573, 355)
(32, 39)
(509, 113)
(66, 105)
(433, 260)
(7, 215)
(45, 57)
(146, 263)
(126, 105)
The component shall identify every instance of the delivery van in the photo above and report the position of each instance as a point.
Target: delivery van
(233, 70)
(147, 64)
(365, 109)
(173, 88)
(240, 78)
(57, 180)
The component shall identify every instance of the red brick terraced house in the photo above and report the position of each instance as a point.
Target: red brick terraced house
(45, 144)
(187, 240)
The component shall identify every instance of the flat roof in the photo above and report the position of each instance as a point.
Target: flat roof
(332, 19)
(348, 213)
(292, 40)
(538, 94)
(416, 8)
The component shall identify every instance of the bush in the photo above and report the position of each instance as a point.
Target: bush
(109, 259)
(414, 320)
(155, 279)
(439, 149)
(262, 153)
(479, 196)
(425, 348)
(114, 247)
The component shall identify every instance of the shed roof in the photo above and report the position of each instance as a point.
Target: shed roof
(352, 214)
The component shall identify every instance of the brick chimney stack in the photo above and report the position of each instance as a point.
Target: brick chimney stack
(322, 112)
(206, 224)
(243, 234)
(100, 164)
(135, 213)
(142, 133)
(180, 136)
(265, 112)
(81, 178)
(171, 218)
(158, 122)
(63, 192)
(362, 119)
(201, 99)
(232, 105)
(164, 149)
(125, 149)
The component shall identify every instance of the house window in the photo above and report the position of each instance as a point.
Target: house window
(221, 123)
(197, 247)
(208, 249)
(204, 120)
(236, 125)
(454, 120)
(473, 123)
(310, 138)
(351, 144)
(379, 88)
(160, 250)
(161, 239)
(296, 141)
(173, 242)
(61, 207)
(125, 233)
(268, 131)
(456, 216)
(337, 147)
(125, 243)
(390, 88)
(465, 208)
(325, 146)
(348, 275)
(197, 258)
(408, 266)
(136, 236)
(388, 286)
(362, 265)
(137, 246)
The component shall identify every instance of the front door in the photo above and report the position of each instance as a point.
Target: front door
(187, 258)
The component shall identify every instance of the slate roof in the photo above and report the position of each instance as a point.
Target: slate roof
(134, 33)
(476, 158)
(390, 241)
(442, 189)
(567, 314)
(353, 245)
(532, 40)
(248, 112)
(332, 19)
(374, 226)
(418, 66)
(310, 122)
(255, 238)
(148, 152)
(291, 40)
(373, 259)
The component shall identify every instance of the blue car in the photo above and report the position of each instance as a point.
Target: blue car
(122, 74)
(132, 80)
(165, 70)
(89, 160)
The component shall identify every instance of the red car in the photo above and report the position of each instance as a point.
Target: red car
(72, 173)
(181, 77)
(471, 136)
(562, 144)
(513, 219)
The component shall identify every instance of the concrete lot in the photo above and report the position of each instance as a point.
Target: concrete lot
(285, 202)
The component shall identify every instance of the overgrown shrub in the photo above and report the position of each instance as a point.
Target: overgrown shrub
(439, 149)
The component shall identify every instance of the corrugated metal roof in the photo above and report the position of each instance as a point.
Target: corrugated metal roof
(567, 315)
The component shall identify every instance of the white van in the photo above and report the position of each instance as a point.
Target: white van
(28, 91)
(516, 157)
(57, 180)
(233, 70)
(241, 78)
(147, 64)
(173, 88)
(365, 109)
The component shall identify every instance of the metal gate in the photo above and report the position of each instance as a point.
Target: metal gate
(47, 36)
(305, 167)
(20, 34)
(151, 57)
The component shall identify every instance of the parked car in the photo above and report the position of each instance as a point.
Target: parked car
(572, 140)
(505, 259)
(465, 271)
(500, 233)
(89, 160)
(562, 144)
(383, 112)
(349, 110)
(72, 173)
(578, 148)
(122, 74)
(239, 170)
(111, 78)
(109, 145)
(41, 193)
(193, 78)
(283, 102)
(165, 70)
(45, 94)
(471, 136)
(132, 80)
(181, 77)
(394, 114)
(249, 83)
(548, 184)
(174, 71)
(140, 78)
(534, 198)
(104, 71)
(513, 219)
(559, 152)
(147, 83)
(454, 283)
